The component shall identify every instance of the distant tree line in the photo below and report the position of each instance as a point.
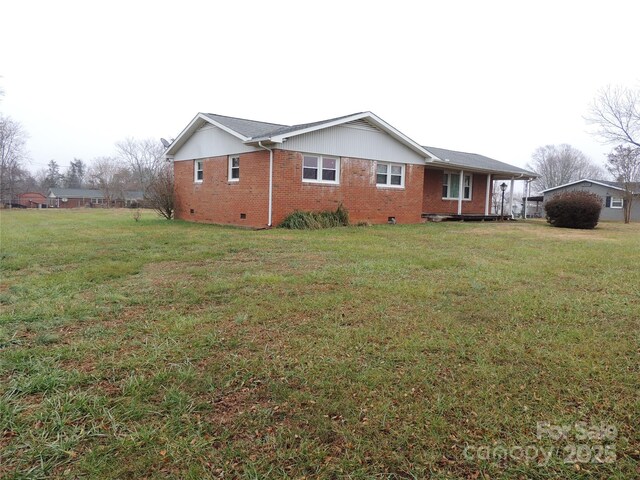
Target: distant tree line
(136, 165)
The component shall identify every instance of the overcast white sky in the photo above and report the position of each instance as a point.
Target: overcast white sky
(497, 78)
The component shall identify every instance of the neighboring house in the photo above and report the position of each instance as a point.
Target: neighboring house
(243, 172)
(32, 200)
(74, 197)
(610, 192)
(85, 197)
(133, 198)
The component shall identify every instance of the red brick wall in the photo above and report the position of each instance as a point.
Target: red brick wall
(32, 199)
(357, 191)
(432, 201)
(216, 200)
(70, 203)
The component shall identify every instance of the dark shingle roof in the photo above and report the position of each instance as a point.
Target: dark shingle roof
(474, 160)
(248, 128)
(134, 195)
(76, 193)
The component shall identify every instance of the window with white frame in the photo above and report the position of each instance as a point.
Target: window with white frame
(234, 169)
(320, 169)
(389, 175)
(451, 186)
(198, 171)
(616, 202)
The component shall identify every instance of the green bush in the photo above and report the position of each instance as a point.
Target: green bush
(574, 210)
(300, 220)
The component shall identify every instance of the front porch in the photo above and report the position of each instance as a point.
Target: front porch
(467, 217)
(460, 186)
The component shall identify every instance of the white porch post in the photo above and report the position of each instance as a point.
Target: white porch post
(511, 196)
(486, 200)
(526, 198)
(460, 191)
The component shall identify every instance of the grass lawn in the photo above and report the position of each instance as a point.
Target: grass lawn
(174, 350)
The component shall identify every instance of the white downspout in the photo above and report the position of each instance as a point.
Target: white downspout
(460, 191)
(270, 183)
(526, 198)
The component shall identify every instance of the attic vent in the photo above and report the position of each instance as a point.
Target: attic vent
(363, 125)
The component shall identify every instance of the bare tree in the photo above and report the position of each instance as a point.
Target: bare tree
(624, 164)
(13, 153)
(160, 194)
(615, 112)
(560, 164)
(110, 176)
(143, 157)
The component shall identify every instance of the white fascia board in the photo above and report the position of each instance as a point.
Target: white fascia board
(398, 135)
(583, 180)
(224, 127)
(191, 128)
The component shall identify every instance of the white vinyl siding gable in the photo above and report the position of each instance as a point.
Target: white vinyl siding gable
(354, 141)
(209, 142)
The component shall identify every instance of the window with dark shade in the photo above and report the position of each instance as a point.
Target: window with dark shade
(390, 175)
(320, 169)
(451, 186)
(234, 169)
(198, 170)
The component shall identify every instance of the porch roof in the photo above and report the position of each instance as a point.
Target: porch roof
(476, 162)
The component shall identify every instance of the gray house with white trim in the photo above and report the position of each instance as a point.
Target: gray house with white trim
(610, 192)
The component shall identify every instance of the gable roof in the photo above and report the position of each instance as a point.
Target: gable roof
(75, 193)
(252, 132)
(603, 183)
(476, 161)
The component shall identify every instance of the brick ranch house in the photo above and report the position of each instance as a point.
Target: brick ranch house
(243, 172)
(87, 197)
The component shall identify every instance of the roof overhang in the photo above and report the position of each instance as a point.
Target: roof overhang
(495, 173)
